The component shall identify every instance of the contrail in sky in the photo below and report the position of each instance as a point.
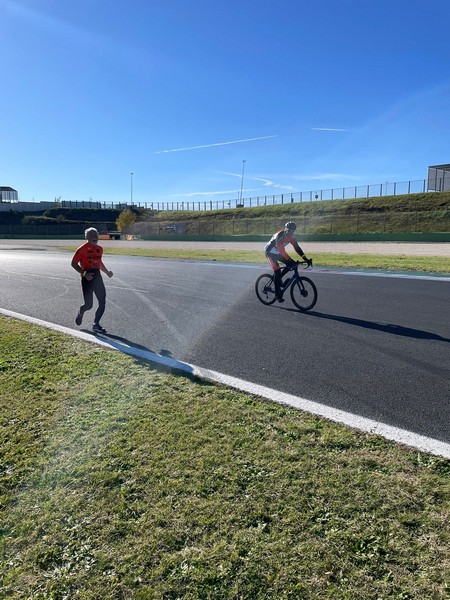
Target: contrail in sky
(327, 129)
(265, 137)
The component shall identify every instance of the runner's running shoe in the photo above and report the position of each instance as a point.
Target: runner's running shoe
(97, 328)
(79, 318)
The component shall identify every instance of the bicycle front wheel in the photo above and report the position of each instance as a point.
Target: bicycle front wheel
(265, 289)
(304, 294)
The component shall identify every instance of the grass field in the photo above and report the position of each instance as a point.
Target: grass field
(432, 264)
(119, 481)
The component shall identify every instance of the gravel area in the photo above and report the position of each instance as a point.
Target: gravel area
(405, 248)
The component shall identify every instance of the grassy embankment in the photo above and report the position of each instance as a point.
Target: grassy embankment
(122, 481)
(427, 212)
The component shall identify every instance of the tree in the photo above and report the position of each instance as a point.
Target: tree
(125, 220)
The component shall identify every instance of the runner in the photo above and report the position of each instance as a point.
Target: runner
(87, 261)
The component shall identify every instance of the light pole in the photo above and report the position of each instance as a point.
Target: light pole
(242, 180)
(131, 188)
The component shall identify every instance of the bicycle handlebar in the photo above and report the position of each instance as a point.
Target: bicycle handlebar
(308, 262)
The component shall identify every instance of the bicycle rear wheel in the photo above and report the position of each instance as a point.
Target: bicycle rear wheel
(304, 293)
(265, 289)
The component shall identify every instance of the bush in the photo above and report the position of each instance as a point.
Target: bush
(12, 217)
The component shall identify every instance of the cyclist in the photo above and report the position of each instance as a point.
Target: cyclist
(276, 253)
(87, 261)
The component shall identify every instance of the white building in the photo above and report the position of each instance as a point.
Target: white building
(439, 178)
(8, 194)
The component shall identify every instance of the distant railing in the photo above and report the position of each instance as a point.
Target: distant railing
(340, 193)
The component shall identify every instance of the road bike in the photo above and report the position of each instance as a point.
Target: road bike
(303, 290)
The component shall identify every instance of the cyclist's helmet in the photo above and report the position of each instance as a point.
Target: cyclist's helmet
(290, 227)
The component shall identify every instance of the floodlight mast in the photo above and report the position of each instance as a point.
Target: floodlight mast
(242, 180)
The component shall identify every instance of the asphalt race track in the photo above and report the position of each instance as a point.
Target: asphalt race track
(374, 346)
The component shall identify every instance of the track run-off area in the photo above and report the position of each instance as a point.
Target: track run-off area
(373, 353)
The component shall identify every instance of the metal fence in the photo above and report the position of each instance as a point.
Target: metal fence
(341, 193)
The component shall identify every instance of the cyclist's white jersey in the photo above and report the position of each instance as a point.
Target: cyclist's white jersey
(277, 243)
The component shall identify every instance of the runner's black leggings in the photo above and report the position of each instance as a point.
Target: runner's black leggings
(97, 287)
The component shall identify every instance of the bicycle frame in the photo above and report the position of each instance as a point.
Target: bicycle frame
(295, 277)
(303, 290)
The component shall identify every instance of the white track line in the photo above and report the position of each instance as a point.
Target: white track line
(395, 434)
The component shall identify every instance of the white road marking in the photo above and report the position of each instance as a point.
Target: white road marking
(322, 270)
(395, 434)
(387, 274)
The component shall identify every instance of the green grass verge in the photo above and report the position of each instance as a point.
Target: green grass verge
(432, 264)
(122, 481)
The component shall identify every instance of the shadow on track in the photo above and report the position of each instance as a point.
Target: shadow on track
(384, 327)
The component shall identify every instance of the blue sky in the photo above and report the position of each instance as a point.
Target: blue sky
(181, 92)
